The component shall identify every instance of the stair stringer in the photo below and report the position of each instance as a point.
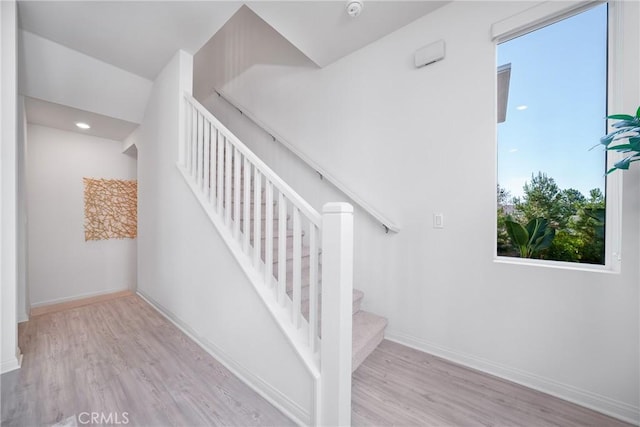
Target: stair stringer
(298, 338)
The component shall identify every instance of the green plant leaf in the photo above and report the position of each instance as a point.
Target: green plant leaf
(531, 228)
(623, 148)
(539, 233)
(534, 237)
(606, 140)
(547, 239)
(621, 117)
(623, 164)
(517, 233)
(536, 228)
(625, 123)
(638, 113)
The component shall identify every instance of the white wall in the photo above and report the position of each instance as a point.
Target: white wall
(187, 271)
(417, 141)
(80, 81)
(10, 353)
(63, 266)
(23, 291)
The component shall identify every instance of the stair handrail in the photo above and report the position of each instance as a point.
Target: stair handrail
(387, 223)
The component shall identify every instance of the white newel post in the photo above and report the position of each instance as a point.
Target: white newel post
(337, 299)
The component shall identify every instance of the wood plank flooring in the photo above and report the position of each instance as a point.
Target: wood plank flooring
(68, 305)
(122, 356)
(401, 386)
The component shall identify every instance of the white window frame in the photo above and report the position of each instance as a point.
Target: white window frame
(544, 14)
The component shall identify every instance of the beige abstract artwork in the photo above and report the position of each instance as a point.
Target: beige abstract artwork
(110, 209)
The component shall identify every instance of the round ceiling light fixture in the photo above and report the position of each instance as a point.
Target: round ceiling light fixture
(354, 7)
(83, 125)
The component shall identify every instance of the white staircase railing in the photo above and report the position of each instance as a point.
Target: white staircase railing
(295, 257)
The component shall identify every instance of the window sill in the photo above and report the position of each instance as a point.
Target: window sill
(561, 265)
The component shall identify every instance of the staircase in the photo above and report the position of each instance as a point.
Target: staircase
(368, 328)
(299, 261)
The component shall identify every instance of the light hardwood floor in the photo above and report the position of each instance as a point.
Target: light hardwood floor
(63, 306)
(122, 356)
(401, 386)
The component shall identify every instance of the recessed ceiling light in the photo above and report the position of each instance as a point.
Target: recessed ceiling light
(83, 125)
(521, 107)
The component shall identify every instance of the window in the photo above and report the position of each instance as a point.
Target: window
(552, 100)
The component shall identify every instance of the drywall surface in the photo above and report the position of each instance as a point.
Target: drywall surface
(260, 44)
(23, 291)
(185, 268)
(80, 81)
(10, 353)
(63, 266)
(413, 142)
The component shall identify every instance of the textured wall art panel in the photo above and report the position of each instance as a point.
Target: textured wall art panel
(110, 209)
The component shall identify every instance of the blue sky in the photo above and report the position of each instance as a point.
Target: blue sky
(559, 74)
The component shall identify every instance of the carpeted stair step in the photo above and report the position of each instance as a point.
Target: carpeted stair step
(262, 221)
(252, 204)
(289, 270)
(304, 251)
(368, 333)
(263, 231)
(263, 212)
(357, 300)
(304, 304)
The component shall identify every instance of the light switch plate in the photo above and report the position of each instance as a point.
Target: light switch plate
(438, 220)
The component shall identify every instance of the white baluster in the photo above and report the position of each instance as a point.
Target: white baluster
(206, 176)
(237, 174)
(186, 157)
(213, 165)
(257, 235)
(228, 165)
(313, 287)
(297, 267)
(200, 156)
(246, 229)
(282, 248)
(221, 163)
(337, 300)
(194, 143)
(268, 241)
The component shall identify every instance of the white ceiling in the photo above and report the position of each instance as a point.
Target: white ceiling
(58, 116)
(324, 32)
(142, 36)
(137, 36)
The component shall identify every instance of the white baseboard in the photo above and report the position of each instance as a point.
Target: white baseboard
(603, 404)
(11, 365)
(291, 409)
(80, 296)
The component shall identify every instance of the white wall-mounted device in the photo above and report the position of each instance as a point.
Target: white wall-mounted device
(429, 54)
